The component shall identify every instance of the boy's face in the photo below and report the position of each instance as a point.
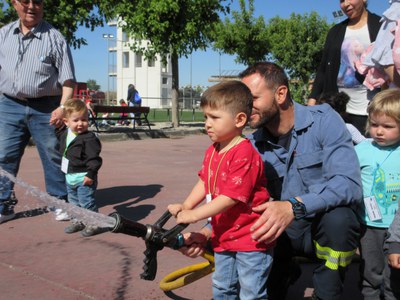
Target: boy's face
(220, 124)
(384, 130)
(78, 122)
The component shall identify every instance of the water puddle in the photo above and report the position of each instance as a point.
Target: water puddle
(85, 216)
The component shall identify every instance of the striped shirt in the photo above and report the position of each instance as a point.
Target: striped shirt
(34, 65)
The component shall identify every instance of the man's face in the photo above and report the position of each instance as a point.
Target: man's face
(29, 12)
(265, 108)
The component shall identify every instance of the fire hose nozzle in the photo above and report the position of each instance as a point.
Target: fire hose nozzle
(155, 236)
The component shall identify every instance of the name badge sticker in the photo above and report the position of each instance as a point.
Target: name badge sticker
(372, 208)
(64, 165)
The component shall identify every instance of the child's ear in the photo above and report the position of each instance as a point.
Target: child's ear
(241, 119)
(65, 120)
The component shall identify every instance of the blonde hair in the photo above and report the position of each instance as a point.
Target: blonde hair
(74, 106)
(386, 102)
(233, 96)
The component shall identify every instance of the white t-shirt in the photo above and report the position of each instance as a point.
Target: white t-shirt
(354, 44)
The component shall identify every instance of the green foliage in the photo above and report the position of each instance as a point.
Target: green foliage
(170, 28)
(244, 36)
(92, 85)
(296, 44)
(66, 16)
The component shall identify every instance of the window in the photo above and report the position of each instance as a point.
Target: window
(138, 60)
(125, 59)
(125, 36)
(164, 80)
(151, 62)
(163, 67)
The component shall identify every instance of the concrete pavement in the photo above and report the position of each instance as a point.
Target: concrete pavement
(139, 178)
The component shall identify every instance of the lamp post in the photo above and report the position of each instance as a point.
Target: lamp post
(108, 36)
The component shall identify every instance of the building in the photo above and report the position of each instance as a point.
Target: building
(152, 78)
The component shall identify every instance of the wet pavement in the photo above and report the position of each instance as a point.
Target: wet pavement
(142, 173)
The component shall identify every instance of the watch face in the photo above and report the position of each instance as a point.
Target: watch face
(299, 210)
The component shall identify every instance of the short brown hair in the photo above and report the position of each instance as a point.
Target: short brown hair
(273, 74)
(233, 95)
(74, 105)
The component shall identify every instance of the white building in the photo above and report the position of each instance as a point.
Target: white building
(152, 78)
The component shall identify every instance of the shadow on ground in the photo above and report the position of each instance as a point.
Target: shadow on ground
(124, 197)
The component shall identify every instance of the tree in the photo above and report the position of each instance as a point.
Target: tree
(170, 28)
(245, 36)
(74, 13)
(296, 44)
(92, 85)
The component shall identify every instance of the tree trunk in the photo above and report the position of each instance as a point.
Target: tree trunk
(175, 90)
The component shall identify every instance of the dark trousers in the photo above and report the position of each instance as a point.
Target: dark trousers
(330, 238)
(358, 121)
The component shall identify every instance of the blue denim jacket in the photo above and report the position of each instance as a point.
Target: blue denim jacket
(321, 166)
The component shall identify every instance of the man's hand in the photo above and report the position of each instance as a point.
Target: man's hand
(276, 217)
(195, 242)
(56, 118)
(394, 260)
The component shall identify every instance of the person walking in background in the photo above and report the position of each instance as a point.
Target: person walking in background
(380, 173)
(232, 181)
(36, 78)
(135, 100)
(81, 162)
(344, 45)
(338, 102)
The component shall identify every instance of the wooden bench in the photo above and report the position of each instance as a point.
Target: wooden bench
(104, 109)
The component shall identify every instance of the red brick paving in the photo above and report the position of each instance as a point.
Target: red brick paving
(139, 178)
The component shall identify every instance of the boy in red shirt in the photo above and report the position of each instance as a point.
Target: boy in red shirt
(232, 181)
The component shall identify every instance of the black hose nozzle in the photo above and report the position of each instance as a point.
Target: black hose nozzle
(155, 236)
(129, 227)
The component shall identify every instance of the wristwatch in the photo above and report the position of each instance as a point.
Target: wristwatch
(299, 209)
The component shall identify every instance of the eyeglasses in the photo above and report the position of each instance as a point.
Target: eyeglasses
(34, 2)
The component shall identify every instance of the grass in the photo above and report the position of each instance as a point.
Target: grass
(164, 115)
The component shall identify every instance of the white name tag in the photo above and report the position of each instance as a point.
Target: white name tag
(372, 208)
(208, 199)
(64, 165)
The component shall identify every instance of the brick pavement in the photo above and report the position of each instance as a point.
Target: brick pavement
(139, 178)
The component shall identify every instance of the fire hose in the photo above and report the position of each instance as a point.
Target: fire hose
(156, 238)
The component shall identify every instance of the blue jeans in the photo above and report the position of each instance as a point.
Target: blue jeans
(19, 121)
(82, 195)
(241, 275)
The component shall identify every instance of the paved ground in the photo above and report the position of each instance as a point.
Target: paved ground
(139, 178)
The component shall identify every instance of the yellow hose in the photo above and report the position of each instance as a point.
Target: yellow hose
(189, 274)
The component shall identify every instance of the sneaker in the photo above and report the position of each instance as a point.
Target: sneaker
(90, 230)
(74, 227)
(8, 208)
(61, 215)
(9, 216)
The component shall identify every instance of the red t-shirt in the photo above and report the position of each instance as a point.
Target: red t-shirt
(240, 176)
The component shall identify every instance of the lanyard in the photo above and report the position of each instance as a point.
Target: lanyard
(377, 168)
(210, 192)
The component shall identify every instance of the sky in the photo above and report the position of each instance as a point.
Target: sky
(91, 61)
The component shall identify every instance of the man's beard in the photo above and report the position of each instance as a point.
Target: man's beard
(266, 116)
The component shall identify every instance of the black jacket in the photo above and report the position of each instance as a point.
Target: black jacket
(83, 153)
(328, 70)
